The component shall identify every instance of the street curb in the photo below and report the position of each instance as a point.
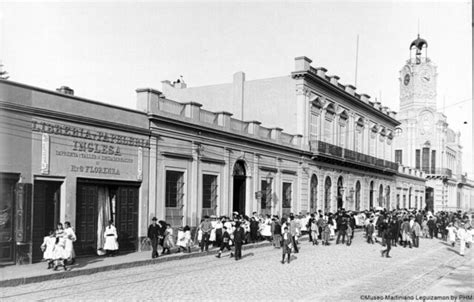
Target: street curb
(88, 271)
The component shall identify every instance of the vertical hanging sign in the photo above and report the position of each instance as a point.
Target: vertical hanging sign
(45, 153)
(140, 164)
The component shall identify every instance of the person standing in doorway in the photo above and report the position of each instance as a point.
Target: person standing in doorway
(111, 244)
(70, 238)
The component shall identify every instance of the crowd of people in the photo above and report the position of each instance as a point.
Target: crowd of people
(389, 228)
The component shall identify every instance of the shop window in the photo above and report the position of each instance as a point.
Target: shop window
(286, 195)
(209, 191)
(174, 189)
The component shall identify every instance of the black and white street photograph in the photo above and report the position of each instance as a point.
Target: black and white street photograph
(236, 150)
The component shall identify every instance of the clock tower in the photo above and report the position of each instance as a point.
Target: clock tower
(418, 79)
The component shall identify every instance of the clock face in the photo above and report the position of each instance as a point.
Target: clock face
(406, 79)
(426, 77)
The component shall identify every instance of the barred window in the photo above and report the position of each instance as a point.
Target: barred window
(209, 191)
(174, 189)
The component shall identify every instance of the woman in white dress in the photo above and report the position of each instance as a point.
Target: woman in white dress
(69, 237)
(111, 244)
(47, 247)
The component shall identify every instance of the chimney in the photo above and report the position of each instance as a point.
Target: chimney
(179, 83)
(65, 90)
(302, 63)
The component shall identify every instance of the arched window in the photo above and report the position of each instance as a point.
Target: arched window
(327, 194)
(314, 194)
(340, 191)
(387, 197)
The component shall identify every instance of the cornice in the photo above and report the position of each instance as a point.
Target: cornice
(51, 114)
(342, 93)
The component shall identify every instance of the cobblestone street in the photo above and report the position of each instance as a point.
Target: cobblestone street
(317, 273)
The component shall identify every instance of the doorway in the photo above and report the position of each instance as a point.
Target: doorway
(46, 206)
(240, 178)
(340, 190)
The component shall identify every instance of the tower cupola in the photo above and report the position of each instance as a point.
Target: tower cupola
(418, 51)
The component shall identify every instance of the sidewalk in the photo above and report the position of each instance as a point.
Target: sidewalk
(15, 275)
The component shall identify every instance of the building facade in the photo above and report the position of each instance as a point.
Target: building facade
(424, 140)
(65, 158)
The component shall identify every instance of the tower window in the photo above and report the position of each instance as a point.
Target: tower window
(398, 156)
(417, 159)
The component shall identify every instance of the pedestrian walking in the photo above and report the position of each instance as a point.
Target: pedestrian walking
(294, 232)
(111, 245)
(286, 244)
(314, 231)
(276, 231)
(239, 236)
(462, 235)
(47, 248)
(406, 232)
(371, 232)
(153, 233)
(416, 233)
(389, 235)
(451, 234)
(225, 244)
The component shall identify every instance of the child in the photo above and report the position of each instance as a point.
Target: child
(184, 239)
(59, 253)
(168, 242)
(225, 243)
(111, 245)
(47, 248)
(425, 229)
(326, 232)
(314, 232)
(286, 245)
(451, 233)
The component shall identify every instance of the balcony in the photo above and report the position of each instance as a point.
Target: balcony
(337, 153)
(440, 173)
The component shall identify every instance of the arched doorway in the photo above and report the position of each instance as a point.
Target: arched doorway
(387, 197)
(371, 195)
(340, 191)
(357, 196)
(381, 196)
(314, 194)
(239, 175)
(327, 194)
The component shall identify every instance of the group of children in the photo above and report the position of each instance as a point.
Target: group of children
(58, 247)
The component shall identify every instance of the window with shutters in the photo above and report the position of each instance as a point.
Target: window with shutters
(417, 159)
(314, 126)
(425, 164)
(174, 189)
(433, 161)
(286, 195)
(209, 191)
(398, 156)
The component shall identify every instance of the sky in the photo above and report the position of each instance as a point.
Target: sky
(105, 50)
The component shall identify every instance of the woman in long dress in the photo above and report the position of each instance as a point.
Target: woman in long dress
(47, 247)
(111, 244)
(69, 237)
(168, 242)
(59, 251)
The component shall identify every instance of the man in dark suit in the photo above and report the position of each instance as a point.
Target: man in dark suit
(153, 234)
(388, 235)
(239, 236)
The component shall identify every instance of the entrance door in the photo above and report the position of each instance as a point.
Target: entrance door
(340, 189)
(239, 188)
(45, 212)
(86, 219)
(7, 238)
(127, 217)
(429, 199)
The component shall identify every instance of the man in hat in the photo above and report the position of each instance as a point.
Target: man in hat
(153, 234)
(239, 236)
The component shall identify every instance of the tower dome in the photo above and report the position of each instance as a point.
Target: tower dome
(419, 43)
